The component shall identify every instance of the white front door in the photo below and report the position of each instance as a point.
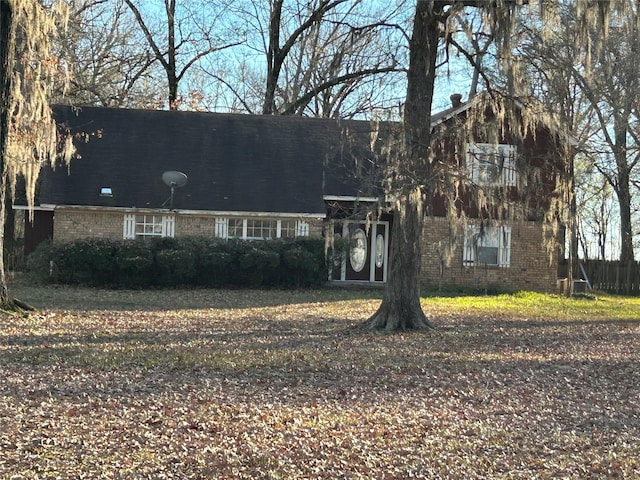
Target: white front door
(368, 254)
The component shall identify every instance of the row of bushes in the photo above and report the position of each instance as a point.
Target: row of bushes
(167, 262)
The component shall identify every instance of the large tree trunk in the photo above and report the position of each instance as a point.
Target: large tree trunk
(6, 44)
(622, 185)
(274, 60)
(400, 308)
(5, 84)
(626, 233)
(572, 258)
(171, 68)
(6, 302)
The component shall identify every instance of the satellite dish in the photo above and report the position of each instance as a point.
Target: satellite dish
(173, 179)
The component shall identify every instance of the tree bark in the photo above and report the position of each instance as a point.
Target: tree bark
(5, 95)
(274, 59)
(626, 232)
(172, 79)
(7, 39)
(622, 185)
(400, 308)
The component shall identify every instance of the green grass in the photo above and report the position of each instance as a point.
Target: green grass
(519, 305)
(530, 305)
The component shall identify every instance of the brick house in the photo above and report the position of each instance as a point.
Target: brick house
(516, 246)
(144, 173)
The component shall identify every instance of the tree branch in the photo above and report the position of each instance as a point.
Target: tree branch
(236, 94)
(307, 97)
(147, 34)
(476, 66)
(204, 54)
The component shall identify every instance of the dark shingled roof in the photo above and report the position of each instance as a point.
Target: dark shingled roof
(249, 163)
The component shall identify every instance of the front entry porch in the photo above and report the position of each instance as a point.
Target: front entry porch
(368, 253)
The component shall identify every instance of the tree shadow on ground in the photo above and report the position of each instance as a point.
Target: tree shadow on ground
(64, 297)
(334, 358)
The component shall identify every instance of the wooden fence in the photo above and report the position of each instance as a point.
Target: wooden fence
(607, 276)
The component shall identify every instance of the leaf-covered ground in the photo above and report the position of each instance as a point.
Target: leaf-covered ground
(269, 385)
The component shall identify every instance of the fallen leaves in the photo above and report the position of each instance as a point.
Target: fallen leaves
(291, 388)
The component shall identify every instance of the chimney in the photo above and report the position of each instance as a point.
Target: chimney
(456, 100)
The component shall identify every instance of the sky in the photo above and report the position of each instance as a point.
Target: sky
(451, 79)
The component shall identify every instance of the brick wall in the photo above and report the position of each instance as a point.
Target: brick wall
(72, 224)
(192, 225)
(529, 269)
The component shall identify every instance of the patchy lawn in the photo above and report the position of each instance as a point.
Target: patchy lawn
(270, 385)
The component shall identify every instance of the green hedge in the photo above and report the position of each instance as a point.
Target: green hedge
(188, 261)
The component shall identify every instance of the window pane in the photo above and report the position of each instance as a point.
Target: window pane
(235, 228)
(488, 255)
(490, 237)
(148, 226)
(359, 250)
(488, 171)
(490, 164)
(486, 246)
(261, 229)
(253, 229)
(287, 228)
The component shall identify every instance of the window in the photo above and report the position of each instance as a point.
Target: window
(236, 228)
(490, 246)
(288, 229)
(490, 164)
(146, 226)
(359, 250)
(259, 229)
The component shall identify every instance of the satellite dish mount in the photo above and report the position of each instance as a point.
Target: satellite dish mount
(173, 179)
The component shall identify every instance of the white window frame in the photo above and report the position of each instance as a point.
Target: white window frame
(231, 227)
(484, 157)
(136, 226)
(260, 229)
(476, 238)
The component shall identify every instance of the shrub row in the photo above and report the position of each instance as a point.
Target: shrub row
(166, 262)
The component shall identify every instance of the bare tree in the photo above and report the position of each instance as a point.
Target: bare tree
(549, 61)
(614, 91)
(327, 58)
(595, 200)
(28, 73)
(610, 80)
(188, 33)
(414, 173)
(346, 65)
(109, 61)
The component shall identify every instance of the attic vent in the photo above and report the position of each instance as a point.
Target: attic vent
(106, 192)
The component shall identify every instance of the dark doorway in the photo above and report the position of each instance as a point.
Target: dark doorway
(37, 231)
